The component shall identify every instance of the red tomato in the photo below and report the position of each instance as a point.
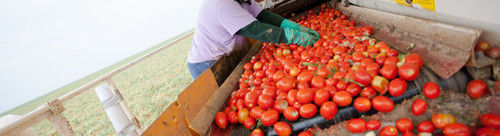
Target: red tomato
(391, 60)
(291, 113)
(305, 95)
(431, 90)
(331, 81)
(242, 115)
(356, 125)
(485, 132)
(425, 126)
(221, 120)
(305, 133)
(388, 131)
(318, 82)
(353, 89)
(308, 110)
(342, 98)
(251, 99)
(282, 128)
(476, 89)
(330, 89)
(362, 77)
(441, 120)
(418, 107)
(321, 96)
(456, 129)
(233, 117)
(280, 105)
(397, 87)
(373, 67)
(328, 110)
(302, 85)
(389, 71)
(373, 125)
(265, 101)
(285, 84)
(257, 66)
(404, 125)
(249, 123)
(382, 103)
(380, 84)
(269, 117)
(362, 104)
(407, 133)
(341, 85)
(414, 59)
(271, 91)
(256, 112)
(305, 76)
(368, 92)
(257, 132)
(408, 72)
(490, 120)
(292, 96)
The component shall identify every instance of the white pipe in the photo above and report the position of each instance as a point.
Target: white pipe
(111, 103)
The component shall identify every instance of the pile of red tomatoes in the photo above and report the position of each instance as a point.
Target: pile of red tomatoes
(345, 66)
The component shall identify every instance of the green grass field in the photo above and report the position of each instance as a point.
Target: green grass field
(148, 88)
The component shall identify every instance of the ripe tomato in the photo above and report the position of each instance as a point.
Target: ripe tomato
(362, 77)
(441, 120)
(397, 87)
(389, 71)
(257, 132)
(251, 99)
(292, 96)
(331, 81)
(373, 67)
(342, 98)
(249, 123)
(362, 104)
(353, 89)
(321, 96)
(407, 133)
(308, 110)
(221, 120)
(485, 132)
(305, 133)
(382, 103)
(232, 117)
(291, 113)
(285, 84)
(265, 101)
(380, 84)
(418, 107)
(305, 95)
(271, 91)
(431, 90)
(341, 85)
(278, 75)
(294, 71)
(282, 128)
(456, 129)
(404, 125)
(305, 76)
(388, 131)
(330, 89)
(425, 126)
(302, 85)
(269, 117)
(373, 124)
(257, 66)
(280, 105)
(391, 60)
(408, 72)
(476, 89)
(414, 59)
(368, 92)
(318, 82)
(356, 125)
(490, 120)
(256, 112)
(328, 110)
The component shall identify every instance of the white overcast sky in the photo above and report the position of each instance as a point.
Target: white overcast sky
(46, 44)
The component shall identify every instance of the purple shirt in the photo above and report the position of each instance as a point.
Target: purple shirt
(215, 32)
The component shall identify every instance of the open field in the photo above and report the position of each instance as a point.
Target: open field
(148, 88)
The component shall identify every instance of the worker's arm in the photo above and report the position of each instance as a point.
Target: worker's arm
(273, 34)
(277, 20)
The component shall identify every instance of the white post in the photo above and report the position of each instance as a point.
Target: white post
(111, 103)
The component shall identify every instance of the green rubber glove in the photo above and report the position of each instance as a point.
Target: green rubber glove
(292, 25)
(300, 38)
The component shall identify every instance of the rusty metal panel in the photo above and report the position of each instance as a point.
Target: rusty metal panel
(170, 122)
(444, 48)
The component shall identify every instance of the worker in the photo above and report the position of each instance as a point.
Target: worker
(222, 24)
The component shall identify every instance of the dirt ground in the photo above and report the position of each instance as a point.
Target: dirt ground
(460, 105)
